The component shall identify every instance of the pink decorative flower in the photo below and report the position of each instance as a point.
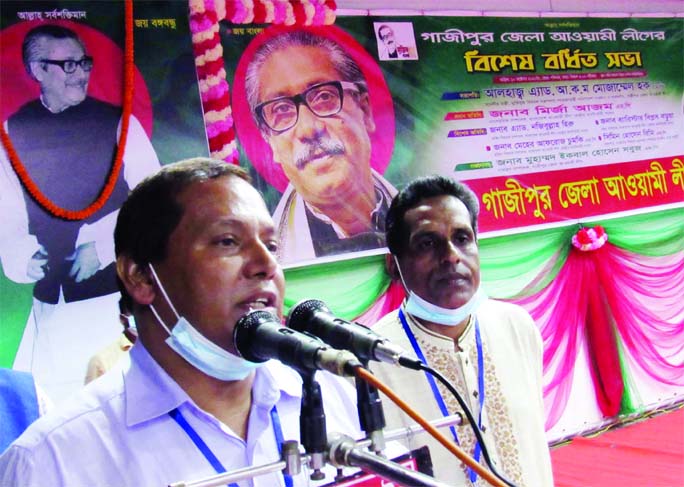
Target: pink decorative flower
(589, 238)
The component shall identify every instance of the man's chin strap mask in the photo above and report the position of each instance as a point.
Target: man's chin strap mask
(198, 350)
(420, 308)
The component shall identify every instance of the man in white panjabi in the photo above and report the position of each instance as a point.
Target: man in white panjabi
(489, 350)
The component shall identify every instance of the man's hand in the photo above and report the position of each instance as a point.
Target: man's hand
(38, 264)
(85, 260)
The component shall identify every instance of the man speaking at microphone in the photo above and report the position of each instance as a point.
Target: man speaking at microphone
(195, 248)
(489, 350)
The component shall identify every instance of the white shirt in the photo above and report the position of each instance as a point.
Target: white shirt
(117, 431)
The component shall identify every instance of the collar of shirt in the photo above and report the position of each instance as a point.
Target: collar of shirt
(44, 103)
(124, 343)
(465, 341)
(150, 392)
(381, 199)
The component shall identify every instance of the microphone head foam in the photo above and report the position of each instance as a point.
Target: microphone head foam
(245, 331)
(302, 312)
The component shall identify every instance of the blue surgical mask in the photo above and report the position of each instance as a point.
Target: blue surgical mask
(198, 350)
(420, 308)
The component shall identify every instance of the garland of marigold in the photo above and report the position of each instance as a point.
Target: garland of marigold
(35, 191)
(205, 16)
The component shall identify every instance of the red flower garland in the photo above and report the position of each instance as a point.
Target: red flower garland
(205, 16)
(35, 191)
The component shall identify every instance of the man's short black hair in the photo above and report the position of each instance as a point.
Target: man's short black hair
(152, 211)
(396, 231)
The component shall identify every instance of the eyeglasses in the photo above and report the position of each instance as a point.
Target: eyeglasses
(70, 65)
(324, 100)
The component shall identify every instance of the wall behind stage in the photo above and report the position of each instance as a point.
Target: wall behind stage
(559, 125)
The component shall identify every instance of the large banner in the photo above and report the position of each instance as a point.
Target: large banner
(548, 120)
(62, 78)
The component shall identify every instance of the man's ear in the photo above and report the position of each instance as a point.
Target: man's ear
(391, 266)
(136, 279)
(36, 70)
(365, 104)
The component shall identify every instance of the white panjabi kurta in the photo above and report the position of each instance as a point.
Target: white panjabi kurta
(513, 416)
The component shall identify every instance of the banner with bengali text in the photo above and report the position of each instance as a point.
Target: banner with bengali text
(546, 119)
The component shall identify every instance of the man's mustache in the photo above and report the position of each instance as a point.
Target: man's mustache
(319, 148)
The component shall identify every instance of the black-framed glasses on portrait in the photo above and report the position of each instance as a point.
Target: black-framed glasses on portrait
(387, 35)
(70, 65)
(323, 99)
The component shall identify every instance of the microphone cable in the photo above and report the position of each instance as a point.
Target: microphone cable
(471, 420)
(495, 480)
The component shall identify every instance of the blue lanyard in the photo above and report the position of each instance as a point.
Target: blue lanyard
(278, 433)
(209, 455)
(435, 389)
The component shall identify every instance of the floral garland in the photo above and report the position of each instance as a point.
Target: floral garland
(587, 239)
(35, 191)
(205, 16)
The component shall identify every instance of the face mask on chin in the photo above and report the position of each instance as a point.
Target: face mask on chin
(198, 350)
(420, 308)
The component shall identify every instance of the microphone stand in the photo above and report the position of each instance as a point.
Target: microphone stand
(292, 460)
(312, 424)
(371, 415)
(409, 432)
(290, 464)
(343, 452)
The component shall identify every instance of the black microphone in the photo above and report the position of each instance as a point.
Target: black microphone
(314, 317)
(259, 336)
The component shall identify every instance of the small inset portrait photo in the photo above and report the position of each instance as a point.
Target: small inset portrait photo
(395, 41)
